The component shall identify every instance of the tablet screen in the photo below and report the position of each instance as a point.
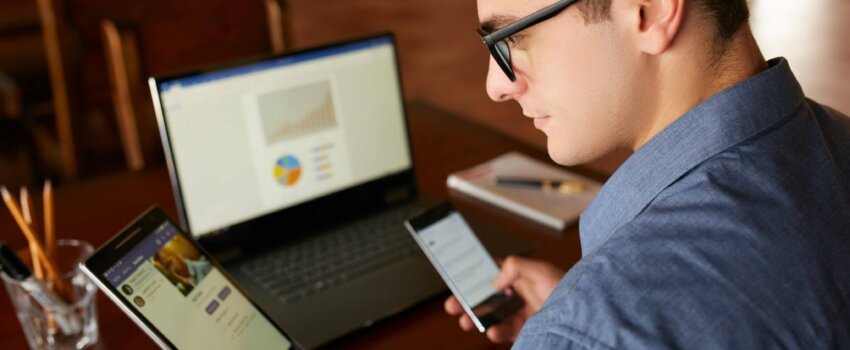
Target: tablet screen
(176, 288)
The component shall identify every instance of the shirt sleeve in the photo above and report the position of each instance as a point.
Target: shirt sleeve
(557, 337)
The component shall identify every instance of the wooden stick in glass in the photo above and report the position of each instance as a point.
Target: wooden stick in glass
(49, 232)
(16, 214)
(27, 208)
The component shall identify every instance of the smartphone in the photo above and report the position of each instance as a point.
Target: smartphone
(464, 264)
(176, 292)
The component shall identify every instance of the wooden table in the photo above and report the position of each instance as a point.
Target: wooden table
(97, 209)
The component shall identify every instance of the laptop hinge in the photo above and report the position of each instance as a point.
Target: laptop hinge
(228, 255)
(396, 195)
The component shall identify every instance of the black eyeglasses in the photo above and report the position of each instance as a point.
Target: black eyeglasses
(495, 41)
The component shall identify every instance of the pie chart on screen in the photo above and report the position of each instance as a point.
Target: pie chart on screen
(287, 170)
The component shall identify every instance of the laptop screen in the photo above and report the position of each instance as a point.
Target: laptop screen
(254, 139)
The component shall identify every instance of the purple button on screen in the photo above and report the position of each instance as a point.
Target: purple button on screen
(224, 293)
(212, 307)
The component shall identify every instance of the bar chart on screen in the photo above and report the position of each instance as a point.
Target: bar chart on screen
(297, 111)
(297, 140)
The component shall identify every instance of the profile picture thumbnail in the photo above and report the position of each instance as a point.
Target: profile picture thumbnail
(127, 289)
(139, 301)
(181, 263)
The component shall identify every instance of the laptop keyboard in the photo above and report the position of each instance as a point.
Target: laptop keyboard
(335, 257)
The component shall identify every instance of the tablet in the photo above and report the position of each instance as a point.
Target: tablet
(174, 290)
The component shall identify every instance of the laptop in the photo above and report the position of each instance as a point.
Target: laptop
(296, 172)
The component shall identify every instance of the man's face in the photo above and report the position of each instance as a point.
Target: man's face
(577, 80)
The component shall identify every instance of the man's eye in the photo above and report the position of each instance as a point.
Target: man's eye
(513, 40)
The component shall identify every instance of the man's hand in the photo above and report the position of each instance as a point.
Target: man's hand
(533, 280)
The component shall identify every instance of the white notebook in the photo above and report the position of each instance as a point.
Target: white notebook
(548, 207)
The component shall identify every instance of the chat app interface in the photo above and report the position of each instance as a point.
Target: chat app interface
(462, 258)
(178, 290)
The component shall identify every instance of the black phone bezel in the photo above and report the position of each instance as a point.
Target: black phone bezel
(128, 238)
(431, 216)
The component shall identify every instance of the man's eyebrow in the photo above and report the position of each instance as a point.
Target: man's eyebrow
(495, 23)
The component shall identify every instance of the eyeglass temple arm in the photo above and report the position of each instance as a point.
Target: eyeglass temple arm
(528, 21)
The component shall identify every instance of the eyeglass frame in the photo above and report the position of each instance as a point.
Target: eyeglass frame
(495, 41)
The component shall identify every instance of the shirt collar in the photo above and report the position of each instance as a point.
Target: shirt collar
(723, 120)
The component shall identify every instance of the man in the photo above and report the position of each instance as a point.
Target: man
(729, 227)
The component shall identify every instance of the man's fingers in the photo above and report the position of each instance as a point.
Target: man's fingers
(515, 268)
(511, 269)
(501, 333)
(526, 292)
(506, 331)
(452, 306)
(466, 323)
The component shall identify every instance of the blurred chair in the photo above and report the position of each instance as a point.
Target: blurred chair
(167, 36)
(19, 157)
(10, 97)
(100, 51)
(62, 60)
(26, 109)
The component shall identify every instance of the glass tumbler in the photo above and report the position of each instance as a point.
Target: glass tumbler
(50, 326)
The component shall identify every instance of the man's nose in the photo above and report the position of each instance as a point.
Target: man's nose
(499, 87)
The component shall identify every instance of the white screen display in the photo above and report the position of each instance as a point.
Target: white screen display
(252, 140)
(462, 258)
(178, 290)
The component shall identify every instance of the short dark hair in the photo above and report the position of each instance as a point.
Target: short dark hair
(728, 15)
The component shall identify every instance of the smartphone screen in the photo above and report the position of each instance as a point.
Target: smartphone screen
(464, 264)
(167, 280)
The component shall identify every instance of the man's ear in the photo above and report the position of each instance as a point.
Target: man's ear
(656, 23)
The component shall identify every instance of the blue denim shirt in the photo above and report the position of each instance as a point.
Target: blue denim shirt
(730, 229)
